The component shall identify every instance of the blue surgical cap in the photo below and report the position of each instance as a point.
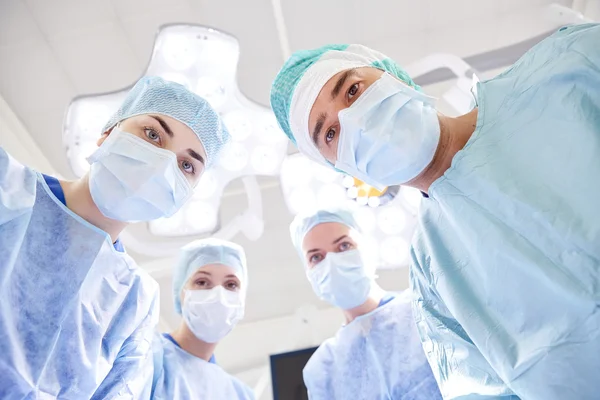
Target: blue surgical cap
(154, 95)
(339, 57)
(304, 223)
(203, 252)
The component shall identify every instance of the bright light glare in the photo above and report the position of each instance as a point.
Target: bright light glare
(331, 195)
(212, 90)
(391, 220)
(238, 124)
(167, 226)
(352, 192)
(365, 218)
(177, 78)
(234, 157)
(394, 250)
(265, 160)
(362, 200)
(296, 171)
(269, 130)
(86, 150)
(206, 187)
(92, 117)
(374, 202)
(324, 174)
(201, 217)
(178, 52)
(348, 181)
(412, 196)
(370, 249)
(302, 199)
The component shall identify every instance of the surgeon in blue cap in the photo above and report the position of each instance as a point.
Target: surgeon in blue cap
(76, 313)
(506, 260)
(377, 354)
(210, 282)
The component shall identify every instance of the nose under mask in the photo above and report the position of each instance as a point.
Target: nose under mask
(133, 180)
(389, 135)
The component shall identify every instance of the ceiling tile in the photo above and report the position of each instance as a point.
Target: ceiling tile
(382, 19)
(97, 59)
(62, 16)
(39, 97)
(314, 23)
(127, 9)
(141, 29)
(253, 24)
(16, 23)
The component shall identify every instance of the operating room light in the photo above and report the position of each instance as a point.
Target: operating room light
(304, 189)
(205, 61)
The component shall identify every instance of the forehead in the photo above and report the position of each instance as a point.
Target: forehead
(215, 271)
(324, 234)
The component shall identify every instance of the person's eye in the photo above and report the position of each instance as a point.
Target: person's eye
(152, 135)
(315, 259)
(352, 91)
(345, 246)
(202, 282)
(329, 135)
(187, 167)
(233, 286)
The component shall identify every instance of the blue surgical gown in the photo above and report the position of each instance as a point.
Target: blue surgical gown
(377, 356)
(178, 375)
(506, 259)
(76, 315)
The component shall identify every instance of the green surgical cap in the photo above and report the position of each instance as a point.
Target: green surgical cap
(287, 80)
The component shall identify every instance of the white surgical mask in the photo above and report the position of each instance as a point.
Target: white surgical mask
(133, 180)
(212, 314)
(341, 279)
(389, 135)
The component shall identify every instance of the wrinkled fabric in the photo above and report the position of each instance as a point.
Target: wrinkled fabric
(199, 253)
(76, 315)
(375, 357)
(179, 375)
(506, 260)
(154, 95)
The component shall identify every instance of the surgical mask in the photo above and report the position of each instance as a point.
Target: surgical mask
(389, 135)
(133, 180)
(341, 279)
(212, 314)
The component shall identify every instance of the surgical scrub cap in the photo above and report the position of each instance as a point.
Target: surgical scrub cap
(303, 223)
(203, 252)
(154, 95)
(302, 77)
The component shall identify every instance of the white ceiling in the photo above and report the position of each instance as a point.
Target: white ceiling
(51, 51)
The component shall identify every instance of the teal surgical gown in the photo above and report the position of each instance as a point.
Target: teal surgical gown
(506, 259)
(178, 375)
(378, 356)
(76, 315)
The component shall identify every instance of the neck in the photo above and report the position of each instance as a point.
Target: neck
(454, 134)
(371, 304)
(190, 343)
(79, 200)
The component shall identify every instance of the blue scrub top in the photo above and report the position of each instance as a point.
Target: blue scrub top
(212, 358)
(58, 191)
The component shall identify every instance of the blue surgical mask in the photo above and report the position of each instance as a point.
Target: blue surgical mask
(133, 180)
(341, 279)
(389, 135)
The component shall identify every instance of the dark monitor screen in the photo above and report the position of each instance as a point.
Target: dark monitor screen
(286, 374)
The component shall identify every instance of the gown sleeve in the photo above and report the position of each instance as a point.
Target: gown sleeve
(460, 369)
(132, 372)
(17, 187)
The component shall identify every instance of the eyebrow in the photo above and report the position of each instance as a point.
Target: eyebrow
(195, 155)
(164, 125)
(203, 272)
(340, 239)
(318, 127)
(340, 83)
